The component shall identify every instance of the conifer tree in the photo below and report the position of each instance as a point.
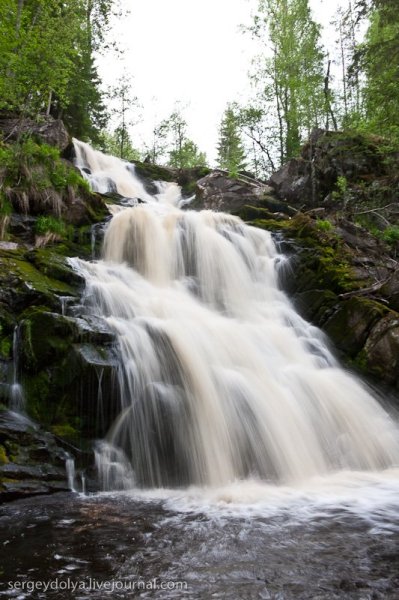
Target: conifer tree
(231, 153)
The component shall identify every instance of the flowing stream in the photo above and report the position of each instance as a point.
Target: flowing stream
(245, 461)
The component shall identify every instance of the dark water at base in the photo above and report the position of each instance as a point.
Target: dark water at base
(119, 540)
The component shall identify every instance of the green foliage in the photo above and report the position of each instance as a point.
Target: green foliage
(341, 190)
(231, 153)
(48, 224)
(183, 152)
(291, 78)
(3, 456)
(118, 143)
(65, 431)
(324, 225)
(380, 62)
(5, 205)
(46, 60)
(367, 223)
(187, 156)
(391, 234)
(29, 163)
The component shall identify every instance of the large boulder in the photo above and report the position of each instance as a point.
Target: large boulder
(68, 367)
(381, 351)
(329, 155)
(217, 191)
(31, 460)
(47, 130)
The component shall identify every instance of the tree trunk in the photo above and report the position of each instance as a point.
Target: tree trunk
(20, 7)
(327, 94)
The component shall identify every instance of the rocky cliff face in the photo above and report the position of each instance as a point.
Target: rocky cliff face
(47, 214)
(344, 242)
(343, 276)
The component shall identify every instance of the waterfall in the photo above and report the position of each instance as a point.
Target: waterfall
(17, 397)
(220, 379)
(71, 473)
(108, 174)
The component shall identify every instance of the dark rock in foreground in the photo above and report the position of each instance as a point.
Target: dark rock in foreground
(31, 460)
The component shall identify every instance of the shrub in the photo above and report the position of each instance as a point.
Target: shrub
(391, 234)
(47, 224)
(324, 225)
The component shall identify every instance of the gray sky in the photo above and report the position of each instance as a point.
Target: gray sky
(190, 51)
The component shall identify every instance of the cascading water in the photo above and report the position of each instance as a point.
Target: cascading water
(220, 378)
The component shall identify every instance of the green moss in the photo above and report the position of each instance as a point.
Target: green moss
(351, 323)
(5, 347)
(3, 456)
(5, 205)
(360, 362)
(271, 224)
(154, 172)
(54, 266)
(45, 337)
(97, 211)
(66, 431)
(33, 278)
(254, 213)
(36, 389)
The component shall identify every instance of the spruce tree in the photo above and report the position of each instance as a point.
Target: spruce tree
(231, 153)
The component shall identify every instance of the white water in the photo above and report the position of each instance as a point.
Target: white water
(71, 473)
(224, 386)
(110, 174)
(17, 397)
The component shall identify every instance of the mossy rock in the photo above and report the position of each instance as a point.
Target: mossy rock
(380, 355)
(352, 322)
(3, 456)
(44, 338)
(23, 284)
(154, 172)
(315, 304)
(254, 213)
(52, 265)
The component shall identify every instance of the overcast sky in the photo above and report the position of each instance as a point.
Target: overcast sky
(191, 51)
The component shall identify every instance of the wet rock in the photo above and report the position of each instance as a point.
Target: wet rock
(217, 191)
(351, 323)
(391, 290)
(68, 368)
(31, 460)
(381, 351)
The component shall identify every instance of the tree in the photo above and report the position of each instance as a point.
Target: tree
(155, 151)
(261, 134)
(379, 60)
(187, 156)
(292, 68)
(349, 95)
(183, 152)
(231, 153)
(125, 101)
(47, 61)
(37, 52)
(110, 143)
